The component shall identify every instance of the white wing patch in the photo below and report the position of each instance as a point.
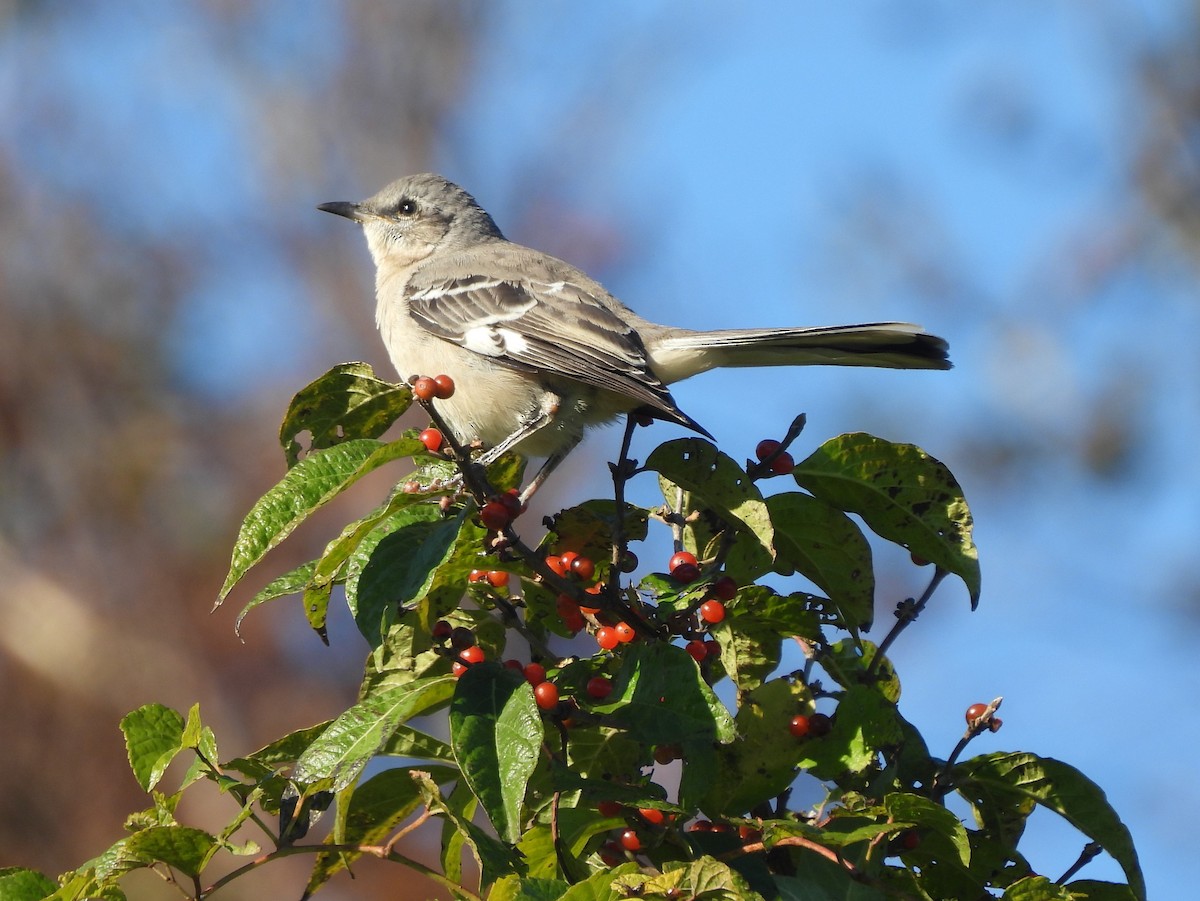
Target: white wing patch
(494, 342)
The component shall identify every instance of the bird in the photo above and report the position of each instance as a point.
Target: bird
(539, 352)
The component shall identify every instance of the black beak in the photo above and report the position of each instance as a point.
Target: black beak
(343, 208)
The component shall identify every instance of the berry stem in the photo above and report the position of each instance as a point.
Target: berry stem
(762, 468)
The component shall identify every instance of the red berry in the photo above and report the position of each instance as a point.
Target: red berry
(666, 753)
(535, 674)
(574, 623)
(443, 387)
(783, 464)
(515, 665)
(701, 826)
(425, 388)
(974, 712)
(546, 695)
(512, 500)
(712, 611)
(556, 566)
(679, 559)
(799, 726)
(584, 568)
(609, 808)
(495, 515)
(765, 448)
(599, 687)
(610, 853)
(630, 841)
(567, 558)
(442, 630)
(629, 562)
(458, 668)
(697, 649)
(819, 724)
(749, 834)
(724, 589)
(461, 638)
(432, 439)
(607, 638)
(910, 840)
(685, 573)
(497, 578)
(652, 815)
(712, 648)
(625, 632)
(473, 654)
(918, 560)
(477, 575)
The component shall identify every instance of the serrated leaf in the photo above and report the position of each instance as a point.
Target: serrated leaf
(903, 495)
(306, 487)
(352, 739)
(599, 886)
(182, 847)
(824, 545)
(697, 466)
(496, 732)
(19, 884)
(153, 736)
(495, 858)
(1004, 778)
(347, 402)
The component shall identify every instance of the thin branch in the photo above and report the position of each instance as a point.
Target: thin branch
(906, 615)
(1089, 853)
(940, 786)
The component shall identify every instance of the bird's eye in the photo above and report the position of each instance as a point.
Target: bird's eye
(407, 207)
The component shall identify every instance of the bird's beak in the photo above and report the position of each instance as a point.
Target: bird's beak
(344, 208)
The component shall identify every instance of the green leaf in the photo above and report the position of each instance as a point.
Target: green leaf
(697, 466)
(512, 888)
(495, 858)
(902, 493)
(496, 732)
(764, 754)
(19, 884)
(406, 552)
(289, 583)
(187, 850)
(660, 696)
(704, 878)
(824, 545)
(351, 740)
(367, 815)
(866, 723)
(464, 804)
(345, 403)
(1005, 778)
(307, 486)
(1038, 888)
(599, 886)
(936, 819)
(408, 742)
(153, 736)
(756, 624)
(281, 752)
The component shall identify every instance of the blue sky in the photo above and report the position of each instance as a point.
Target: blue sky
(756, 165)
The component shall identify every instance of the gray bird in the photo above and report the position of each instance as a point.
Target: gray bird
(537, 350)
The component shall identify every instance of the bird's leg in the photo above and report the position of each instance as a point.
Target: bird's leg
(534, 422)
(548, 467)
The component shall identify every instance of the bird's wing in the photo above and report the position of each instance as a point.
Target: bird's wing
(553, 326)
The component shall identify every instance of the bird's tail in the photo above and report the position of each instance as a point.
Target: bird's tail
(890, 345)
